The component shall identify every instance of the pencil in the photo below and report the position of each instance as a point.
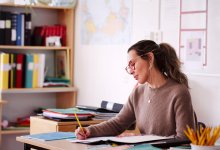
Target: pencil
(77, 119)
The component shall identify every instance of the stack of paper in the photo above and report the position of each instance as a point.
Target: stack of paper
(68, 113)
(127, 139)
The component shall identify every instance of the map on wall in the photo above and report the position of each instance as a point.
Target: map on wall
(105, 21)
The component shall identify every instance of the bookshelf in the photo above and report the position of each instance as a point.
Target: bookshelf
(61, 15)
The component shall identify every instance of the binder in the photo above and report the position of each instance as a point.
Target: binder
(19, 70)
(4, 70)
(14, 67)
(11, 71)
(35, 70)
(13, 28)
(29, 71)
(2, 27)
(116, 107)
(20, 30)
(27, 30)
(7, 28)
(41, 70)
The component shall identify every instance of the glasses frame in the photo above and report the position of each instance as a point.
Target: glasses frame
(132, 67)
(127, 68)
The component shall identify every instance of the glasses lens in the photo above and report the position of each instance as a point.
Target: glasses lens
(128, 69)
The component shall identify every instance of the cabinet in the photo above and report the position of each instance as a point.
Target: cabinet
(42, 125)
(65, 96)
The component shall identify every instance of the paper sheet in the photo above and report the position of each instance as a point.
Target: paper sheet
(127, 139)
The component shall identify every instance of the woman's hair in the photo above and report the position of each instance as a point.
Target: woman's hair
(166, 59)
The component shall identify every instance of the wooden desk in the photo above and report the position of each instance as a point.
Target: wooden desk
(50, 145)
(39, 124)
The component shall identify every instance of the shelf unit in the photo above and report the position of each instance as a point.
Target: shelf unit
(65, 16)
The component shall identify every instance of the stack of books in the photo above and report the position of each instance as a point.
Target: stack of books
(67, 114)
(105, 112)
(56, 82)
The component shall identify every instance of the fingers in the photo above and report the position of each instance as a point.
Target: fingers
(82, 134)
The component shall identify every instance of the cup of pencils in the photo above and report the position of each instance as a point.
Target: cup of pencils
(203, 138)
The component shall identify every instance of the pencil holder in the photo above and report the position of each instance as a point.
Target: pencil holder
(203, 147)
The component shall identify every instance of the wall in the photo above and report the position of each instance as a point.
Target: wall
(99, 69)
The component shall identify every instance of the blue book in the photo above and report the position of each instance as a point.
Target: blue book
(18, 29)
(29, 71)
(51, 136)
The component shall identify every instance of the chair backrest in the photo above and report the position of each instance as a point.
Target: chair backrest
(198, 124)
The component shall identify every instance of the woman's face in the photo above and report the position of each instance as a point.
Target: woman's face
(138, 66)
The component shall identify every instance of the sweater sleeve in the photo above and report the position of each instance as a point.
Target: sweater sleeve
(184, 113)
(116, 125)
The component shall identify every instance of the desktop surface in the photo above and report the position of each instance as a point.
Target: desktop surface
(54, 145)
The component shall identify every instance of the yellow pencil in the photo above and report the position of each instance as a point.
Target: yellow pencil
(77, 119)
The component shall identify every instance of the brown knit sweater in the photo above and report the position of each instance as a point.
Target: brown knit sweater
(168, 113)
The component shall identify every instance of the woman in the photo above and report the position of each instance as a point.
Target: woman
(161, 104)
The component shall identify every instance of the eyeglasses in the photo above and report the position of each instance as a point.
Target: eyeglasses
(131, 65)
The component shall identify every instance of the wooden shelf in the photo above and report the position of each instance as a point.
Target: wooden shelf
(65, 96)
(34, 47)
(34, 6)
(6, 132)
(39, 90)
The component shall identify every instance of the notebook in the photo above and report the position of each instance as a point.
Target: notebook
(127, 139)
(51, 136)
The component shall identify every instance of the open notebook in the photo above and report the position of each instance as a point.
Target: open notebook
(127, 139)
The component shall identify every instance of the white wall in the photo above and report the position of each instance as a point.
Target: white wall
(99, 69)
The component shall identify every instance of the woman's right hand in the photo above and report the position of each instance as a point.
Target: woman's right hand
(82, 133)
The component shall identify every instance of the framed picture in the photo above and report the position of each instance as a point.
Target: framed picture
(61, 64)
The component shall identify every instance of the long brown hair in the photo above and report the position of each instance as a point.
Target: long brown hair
(166, 59)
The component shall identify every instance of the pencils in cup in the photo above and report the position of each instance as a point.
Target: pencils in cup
(203, 136)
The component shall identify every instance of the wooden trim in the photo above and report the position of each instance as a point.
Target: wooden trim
(34, 47)
(39, 90)
(6, 132)
(35, 6)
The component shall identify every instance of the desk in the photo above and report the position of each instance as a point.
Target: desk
(50, 145)
(39, 124)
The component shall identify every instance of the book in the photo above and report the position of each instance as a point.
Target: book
(11, 71)
(41, 75)
(51, 136)
(27, 29)
(19, 70)
(68, 113)
(2, 27)
(53, 115)
(4, 70)
(35, 71)
(125, 140)
(20, 30)
(13, 28)
(29, 71)
(7, 28)
(93, 108)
